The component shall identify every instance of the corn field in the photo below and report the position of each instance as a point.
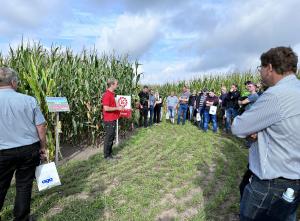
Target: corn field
(79, 77)
(211, 82)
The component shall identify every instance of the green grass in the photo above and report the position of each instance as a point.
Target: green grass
(166, 171)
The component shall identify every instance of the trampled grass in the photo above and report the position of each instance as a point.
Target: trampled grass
(166, 172)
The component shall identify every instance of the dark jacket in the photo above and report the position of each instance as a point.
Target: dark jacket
(192, 100)
(144, 98)
(214, 99)
(232, 100)
(223, 99)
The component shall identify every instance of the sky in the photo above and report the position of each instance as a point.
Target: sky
(172, 39)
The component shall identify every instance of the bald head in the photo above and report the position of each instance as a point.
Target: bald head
(8, 77)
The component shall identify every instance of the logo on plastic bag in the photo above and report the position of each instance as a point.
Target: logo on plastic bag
(47, 180)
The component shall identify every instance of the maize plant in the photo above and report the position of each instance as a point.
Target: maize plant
(211, 82)
(79, 77)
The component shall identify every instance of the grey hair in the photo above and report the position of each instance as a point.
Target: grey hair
(7, 76)
(111, 81)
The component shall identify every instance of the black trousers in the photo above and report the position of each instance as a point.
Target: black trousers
(143, 121)
(110, 133)
(157, 111)
(22, 161)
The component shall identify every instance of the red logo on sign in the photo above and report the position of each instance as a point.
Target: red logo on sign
(123, 101)
(125, 114)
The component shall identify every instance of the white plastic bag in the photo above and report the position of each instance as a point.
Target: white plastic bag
(167, 116)
(213, 110)
(47, 176)
(148, 115)
(198, 117)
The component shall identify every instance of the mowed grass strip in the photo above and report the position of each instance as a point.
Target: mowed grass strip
(166, 172)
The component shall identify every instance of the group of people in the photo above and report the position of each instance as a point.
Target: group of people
(150, 105)
(203, 107)
(269, 120)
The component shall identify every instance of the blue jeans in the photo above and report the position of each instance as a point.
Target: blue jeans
(200, 123)
(191, 108)
(151, 109)
(231, 113)
(182, 110)
(207, 118)
(171, 111)
(262, 200)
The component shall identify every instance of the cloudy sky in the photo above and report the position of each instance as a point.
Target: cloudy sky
(173, 39)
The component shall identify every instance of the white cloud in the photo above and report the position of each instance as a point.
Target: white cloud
(249, 29)
(159, 72)
(221, 38)
(173, 39)
(19, 16)
(132, 34)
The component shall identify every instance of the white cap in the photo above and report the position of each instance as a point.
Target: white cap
(288, 195)
(289, 192)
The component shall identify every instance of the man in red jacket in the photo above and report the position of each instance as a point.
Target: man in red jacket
(111, 113)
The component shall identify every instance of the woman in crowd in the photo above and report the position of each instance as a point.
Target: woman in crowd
(222, 102)
(151, 106)
(157, 108)
(172, 102)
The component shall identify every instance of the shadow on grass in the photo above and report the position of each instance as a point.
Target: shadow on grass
(220, 183)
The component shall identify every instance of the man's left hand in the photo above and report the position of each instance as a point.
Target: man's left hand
(252, 137)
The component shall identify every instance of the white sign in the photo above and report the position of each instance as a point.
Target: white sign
(198, 117)
(57, 104)
(213, 110)
(124, 101)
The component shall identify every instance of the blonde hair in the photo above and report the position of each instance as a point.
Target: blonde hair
(111, 81)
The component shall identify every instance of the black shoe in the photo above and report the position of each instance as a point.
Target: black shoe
(111, 158)
(108, 158)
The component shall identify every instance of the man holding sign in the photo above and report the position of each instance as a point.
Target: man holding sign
(210, 111)
(111, 113)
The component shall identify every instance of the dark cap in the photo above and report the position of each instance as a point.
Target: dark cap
(248, 82)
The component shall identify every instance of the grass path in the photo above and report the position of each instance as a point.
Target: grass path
(166, 172)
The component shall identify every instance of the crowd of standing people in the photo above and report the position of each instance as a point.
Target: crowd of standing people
(269, 121)
(199, 108)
